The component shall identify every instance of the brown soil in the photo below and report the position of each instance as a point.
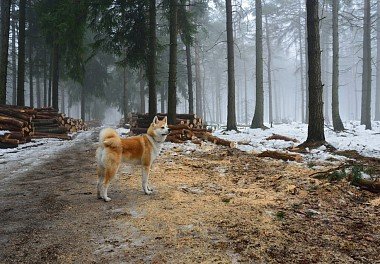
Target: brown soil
(213, 205)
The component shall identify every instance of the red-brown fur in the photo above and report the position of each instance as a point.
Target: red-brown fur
(139, 150)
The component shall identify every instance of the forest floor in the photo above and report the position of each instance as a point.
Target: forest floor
(211, 205)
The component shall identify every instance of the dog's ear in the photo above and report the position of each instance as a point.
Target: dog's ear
(155, 120)
(165, 119)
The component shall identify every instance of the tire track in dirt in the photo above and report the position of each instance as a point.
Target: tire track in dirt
(49, 213)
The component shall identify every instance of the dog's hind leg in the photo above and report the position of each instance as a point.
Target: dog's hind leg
(109, 174)
(100, 182)
(145, 179)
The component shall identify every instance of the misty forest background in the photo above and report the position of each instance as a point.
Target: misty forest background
(170, 56)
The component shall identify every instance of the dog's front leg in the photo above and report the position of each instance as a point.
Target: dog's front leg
(145, 179)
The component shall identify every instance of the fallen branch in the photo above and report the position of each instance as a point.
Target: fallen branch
(281, 137)
(280, 155)
(369, 185)
(372, 186)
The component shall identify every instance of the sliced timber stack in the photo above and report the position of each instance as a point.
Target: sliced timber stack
(144, 120)
(17, 122)
(187, 127)
(22, 124)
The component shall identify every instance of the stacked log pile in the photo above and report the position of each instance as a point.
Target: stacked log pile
(144, 120)
(25, 123)
(187, 127)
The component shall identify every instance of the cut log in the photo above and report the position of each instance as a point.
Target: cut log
(37, 135)
(7, 142)
(176, 127)
(201, 130)
(281, 137)
(209, 137)
(9, 127)
(20, 135)
(188, 134)
(12, 121)
(21, 109)
(55, 130)
(281, 155)
(174, 139)
(182, 121)
(220, 141)
(41, 116)
(177, 132)
(41, 122)
(5, 145)
(17, 113)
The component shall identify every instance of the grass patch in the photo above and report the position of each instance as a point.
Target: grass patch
(280, 215)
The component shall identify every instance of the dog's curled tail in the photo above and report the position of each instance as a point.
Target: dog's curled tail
(108, 137)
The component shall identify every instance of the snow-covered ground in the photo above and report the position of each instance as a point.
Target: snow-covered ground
(366, 142)
(30, 155)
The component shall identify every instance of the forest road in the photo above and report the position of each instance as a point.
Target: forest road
(210, 205)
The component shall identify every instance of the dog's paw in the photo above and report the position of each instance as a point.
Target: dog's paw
(107, 199)
(148, 191)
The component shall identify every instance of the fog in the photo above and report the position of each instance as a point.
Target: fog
(112, 87)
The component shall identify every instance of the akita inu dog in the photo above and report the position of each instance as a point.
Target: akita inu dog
(137, 150)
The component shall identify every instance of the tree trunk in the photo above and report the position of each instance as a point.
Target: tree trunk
(142, 91)
(325, 65)
(151, 66)
(5, 26)
(50, 77)
(172, 89)
(245, 96)
(326, 78)
(189, 79)
(14, 66)
(31, 72)
(269, 65)
(21, 55)
(231, 111)
(83, 103)
(337, 122)
(162, 92)
(377, 102)
(45, 78)
(258, 118)
(218, 98)
(198, 83)
(366, 78)
(69, 104)
(307, 76)
(55, 76)
(300, 37)
(63, 100)
(38, 89)
(316, 124)
(204, 99)
(125, 96)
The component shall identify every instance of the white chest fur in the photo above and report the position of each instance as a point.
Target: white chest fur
(156, 147)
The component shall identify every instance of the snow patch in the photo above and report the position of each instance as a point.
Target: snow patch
(4, 132)
(355, 137)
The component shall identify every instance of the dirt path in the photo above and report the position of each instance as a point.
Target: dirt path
(211, 205)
